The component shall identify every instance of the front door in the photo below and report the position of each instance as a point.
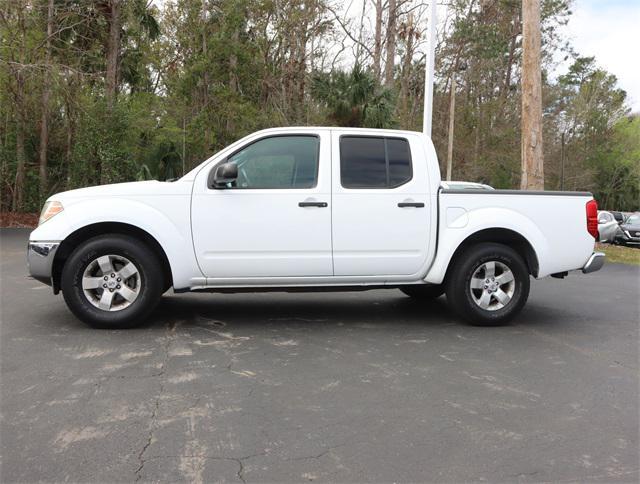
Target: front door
(275, 219)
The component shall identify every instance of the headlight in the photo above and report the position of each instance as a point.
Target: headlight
(50, 209)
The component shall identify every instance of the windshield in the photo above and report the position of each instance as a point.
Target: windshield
(633, 219)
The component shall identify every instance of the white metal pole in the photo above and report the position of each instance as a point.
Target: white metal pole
(428, 78)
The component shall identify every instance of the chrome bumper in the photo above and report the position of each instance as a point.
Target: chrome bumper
(595, 263)
(40, 257)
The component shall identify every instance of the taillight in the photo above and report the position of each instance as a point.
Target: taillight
(592, 218)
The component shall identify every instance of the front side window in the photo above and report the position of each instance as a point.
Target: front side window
(278, 162)
(374, 162)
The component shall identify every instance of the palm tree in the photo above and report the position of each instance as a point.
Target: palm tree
(354, 98)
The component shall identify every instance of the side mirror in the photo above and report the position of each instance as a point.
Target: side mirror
(224, 174)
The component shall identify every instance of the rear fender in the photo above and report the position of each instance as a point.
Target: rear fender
(454, 232)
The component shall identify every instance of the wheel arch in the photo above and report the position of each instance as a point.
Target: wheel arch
(81, 235)
(508, 237)
(455, 243)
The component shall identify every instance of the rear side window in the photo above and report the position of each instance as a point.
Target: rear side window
(374, 162)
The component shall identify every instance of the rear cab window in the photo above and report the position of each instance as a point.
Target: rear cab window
(374, 161)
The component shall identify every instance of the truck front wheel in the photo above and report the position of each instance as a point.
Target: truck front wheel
(488, 284)
(112, 282)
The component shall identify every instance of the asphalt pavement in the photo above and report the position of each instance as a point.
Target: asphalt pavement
(343, 387)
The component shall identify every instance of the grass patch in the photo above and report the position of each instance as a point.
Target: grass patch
(620, 254)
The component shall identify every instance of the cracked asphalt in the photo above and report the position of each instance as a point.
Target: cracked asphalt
(344, 387)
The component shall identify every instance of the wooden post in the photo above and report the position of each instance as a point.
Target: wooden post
(532, 162)
(452, 115)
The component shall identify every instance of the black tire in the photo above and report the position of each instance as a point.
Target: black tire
(151, 281)
(462, 298)
(423, 291)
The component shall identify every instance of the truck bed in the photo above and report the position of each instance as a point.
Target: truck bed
(552, 222)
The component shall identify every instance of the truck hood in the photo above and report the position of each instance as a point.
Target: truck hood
(630, 227)
(124, 190)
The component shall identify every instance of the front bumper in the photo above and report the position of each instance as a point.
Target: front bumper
(627, 237)
(595, 263)
(40, 257)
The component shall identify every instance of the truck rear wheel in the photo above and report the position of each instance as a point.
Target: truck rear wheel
(112, 282)
(488, 284)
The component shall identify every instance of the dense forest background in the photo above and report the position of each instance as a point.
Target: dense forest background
(101, 91)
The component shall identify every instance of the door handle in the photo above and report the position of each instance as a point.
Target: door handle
(313, 204)
(411, 204)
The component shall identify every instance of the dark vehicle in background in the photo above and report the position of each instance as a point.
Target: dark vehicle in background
(630, 231)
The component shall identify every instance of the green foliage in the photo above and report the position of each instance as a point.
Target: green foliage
(100, 153)
(354, 99)
(618, 167)
(200, 74)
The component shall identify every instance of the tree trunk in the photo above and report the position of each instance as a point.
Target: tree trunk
(360, 33)
(18, 191)
(70, 129)
(511, 58)
(377, 46)
(391, 43)
(409, 33)
(46, 93)
(301, 62)
(233, 63)
(205, 87)
(532, 177)
(233, 76)
(113, 51)
(17, 200)
(476, 141)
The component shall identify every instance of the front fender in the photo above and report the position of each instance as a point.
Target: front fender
(464, 224)
(173, 234)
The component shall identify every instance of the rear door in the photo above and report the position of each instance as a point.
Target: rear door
(381, 221)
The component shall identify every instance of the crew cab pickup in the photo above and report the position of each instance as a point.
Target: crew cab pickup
(309, 209)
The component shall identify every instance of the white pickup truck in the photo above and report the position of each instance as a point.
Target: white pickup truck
(309, 209)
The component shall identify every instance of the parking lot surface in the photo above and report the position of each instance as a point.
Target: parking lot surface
(362, 386)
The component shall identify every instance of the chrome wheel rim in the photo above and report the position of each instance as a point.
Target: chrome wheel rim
(492, 286)
(111, 282)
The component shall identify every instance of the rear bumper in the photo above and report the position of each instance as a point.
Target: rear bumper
(40, 257)
(595, 263)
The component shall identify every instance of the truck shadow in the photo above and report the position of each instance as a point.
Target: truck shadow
(384, 308)
(251, 310)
